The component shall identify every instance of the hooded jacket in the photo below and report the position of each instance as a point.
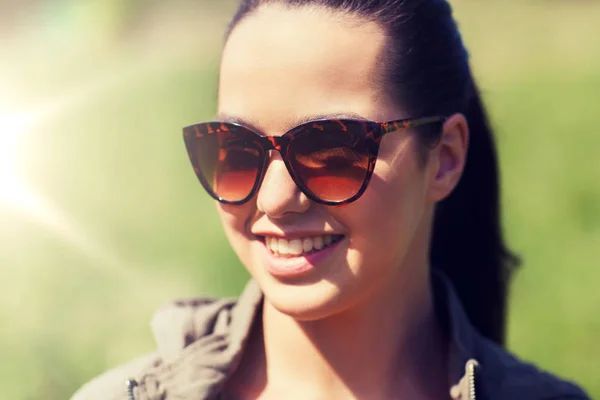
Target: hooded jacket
(201, 340)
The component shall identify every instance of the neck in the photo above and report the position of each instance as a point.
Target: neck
(388, 346)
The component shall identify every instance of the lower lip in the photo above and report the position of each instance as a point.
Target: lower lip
(290, 267)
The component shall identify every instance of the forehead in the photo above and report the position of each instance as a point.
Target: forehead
(280, 64)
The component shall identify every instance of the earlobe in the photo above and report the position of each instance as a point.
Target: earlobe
(451, 156)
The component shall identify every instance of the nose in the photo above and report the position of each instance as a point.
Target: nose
(278, 194)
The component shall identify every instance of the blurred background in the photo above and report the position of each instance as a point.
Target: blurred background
(102, 219)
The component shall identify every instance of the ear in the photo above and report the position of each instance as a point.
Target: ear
(447, 160)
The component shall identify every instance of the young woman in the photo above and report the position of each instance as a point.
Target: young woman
(356, 178)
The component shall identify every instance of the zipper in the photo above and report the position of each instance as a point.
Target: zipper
(471, 372)
(465, 388)
(131, 385)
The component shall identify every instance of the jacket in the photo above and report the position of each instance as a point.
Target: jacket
(200, 342)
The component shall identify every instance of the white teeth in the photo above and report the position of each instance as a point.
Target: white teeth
(283, 246)
(307, 244)
(296, 247)
(272, 244)
(318, 242)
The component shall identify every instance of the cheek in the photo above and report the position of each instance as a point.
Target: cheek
(399, 185)
(388, 214)
(235, 224)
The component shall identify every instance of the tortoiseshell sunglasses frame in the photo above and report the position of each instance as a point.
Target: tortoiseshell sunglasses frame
(369, 132)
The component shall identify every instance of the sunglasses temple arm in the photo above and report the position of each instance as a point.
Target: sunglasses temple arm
(393, 126)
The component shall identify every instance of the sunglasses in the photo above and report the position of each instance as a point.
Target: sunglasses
(331, 161)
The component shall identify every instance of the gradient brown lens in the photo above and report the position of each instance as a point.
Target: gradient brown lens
(229, 166)
(331, 164)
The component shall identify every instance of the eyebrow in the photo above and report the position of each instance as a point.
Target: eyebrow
(224, 117)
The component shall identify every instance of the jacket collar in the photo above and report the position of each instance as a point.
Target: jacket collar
(454, 320)
(462, 336)
(201, 342)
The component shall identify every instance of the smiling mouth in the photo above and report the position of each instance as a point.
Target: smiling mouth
(298, 247)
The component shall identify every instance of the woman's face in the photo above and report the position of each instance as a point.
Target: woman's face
(279, 68)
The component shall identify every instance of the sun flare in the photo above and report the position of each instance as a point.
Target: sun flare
(13, 127)
(16, 194)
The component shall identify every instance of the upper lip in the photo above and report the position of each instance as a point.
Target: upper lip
(292, 234)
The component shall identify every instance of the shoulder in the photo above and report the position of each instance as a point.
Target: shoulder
(212, 325)
(111, 385)
(174, 326)
(505, 376)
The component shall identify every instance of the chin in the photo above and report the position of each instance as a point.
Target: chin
(304, 302)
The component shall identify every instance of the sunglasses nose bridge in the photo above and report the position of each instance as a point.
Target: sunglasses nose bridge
(278, 143)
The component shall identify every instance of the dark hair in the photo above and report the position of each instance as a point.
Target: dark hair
(427, 70)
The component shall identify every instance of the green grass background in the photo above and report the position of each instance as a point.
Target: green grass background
(122, 225)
